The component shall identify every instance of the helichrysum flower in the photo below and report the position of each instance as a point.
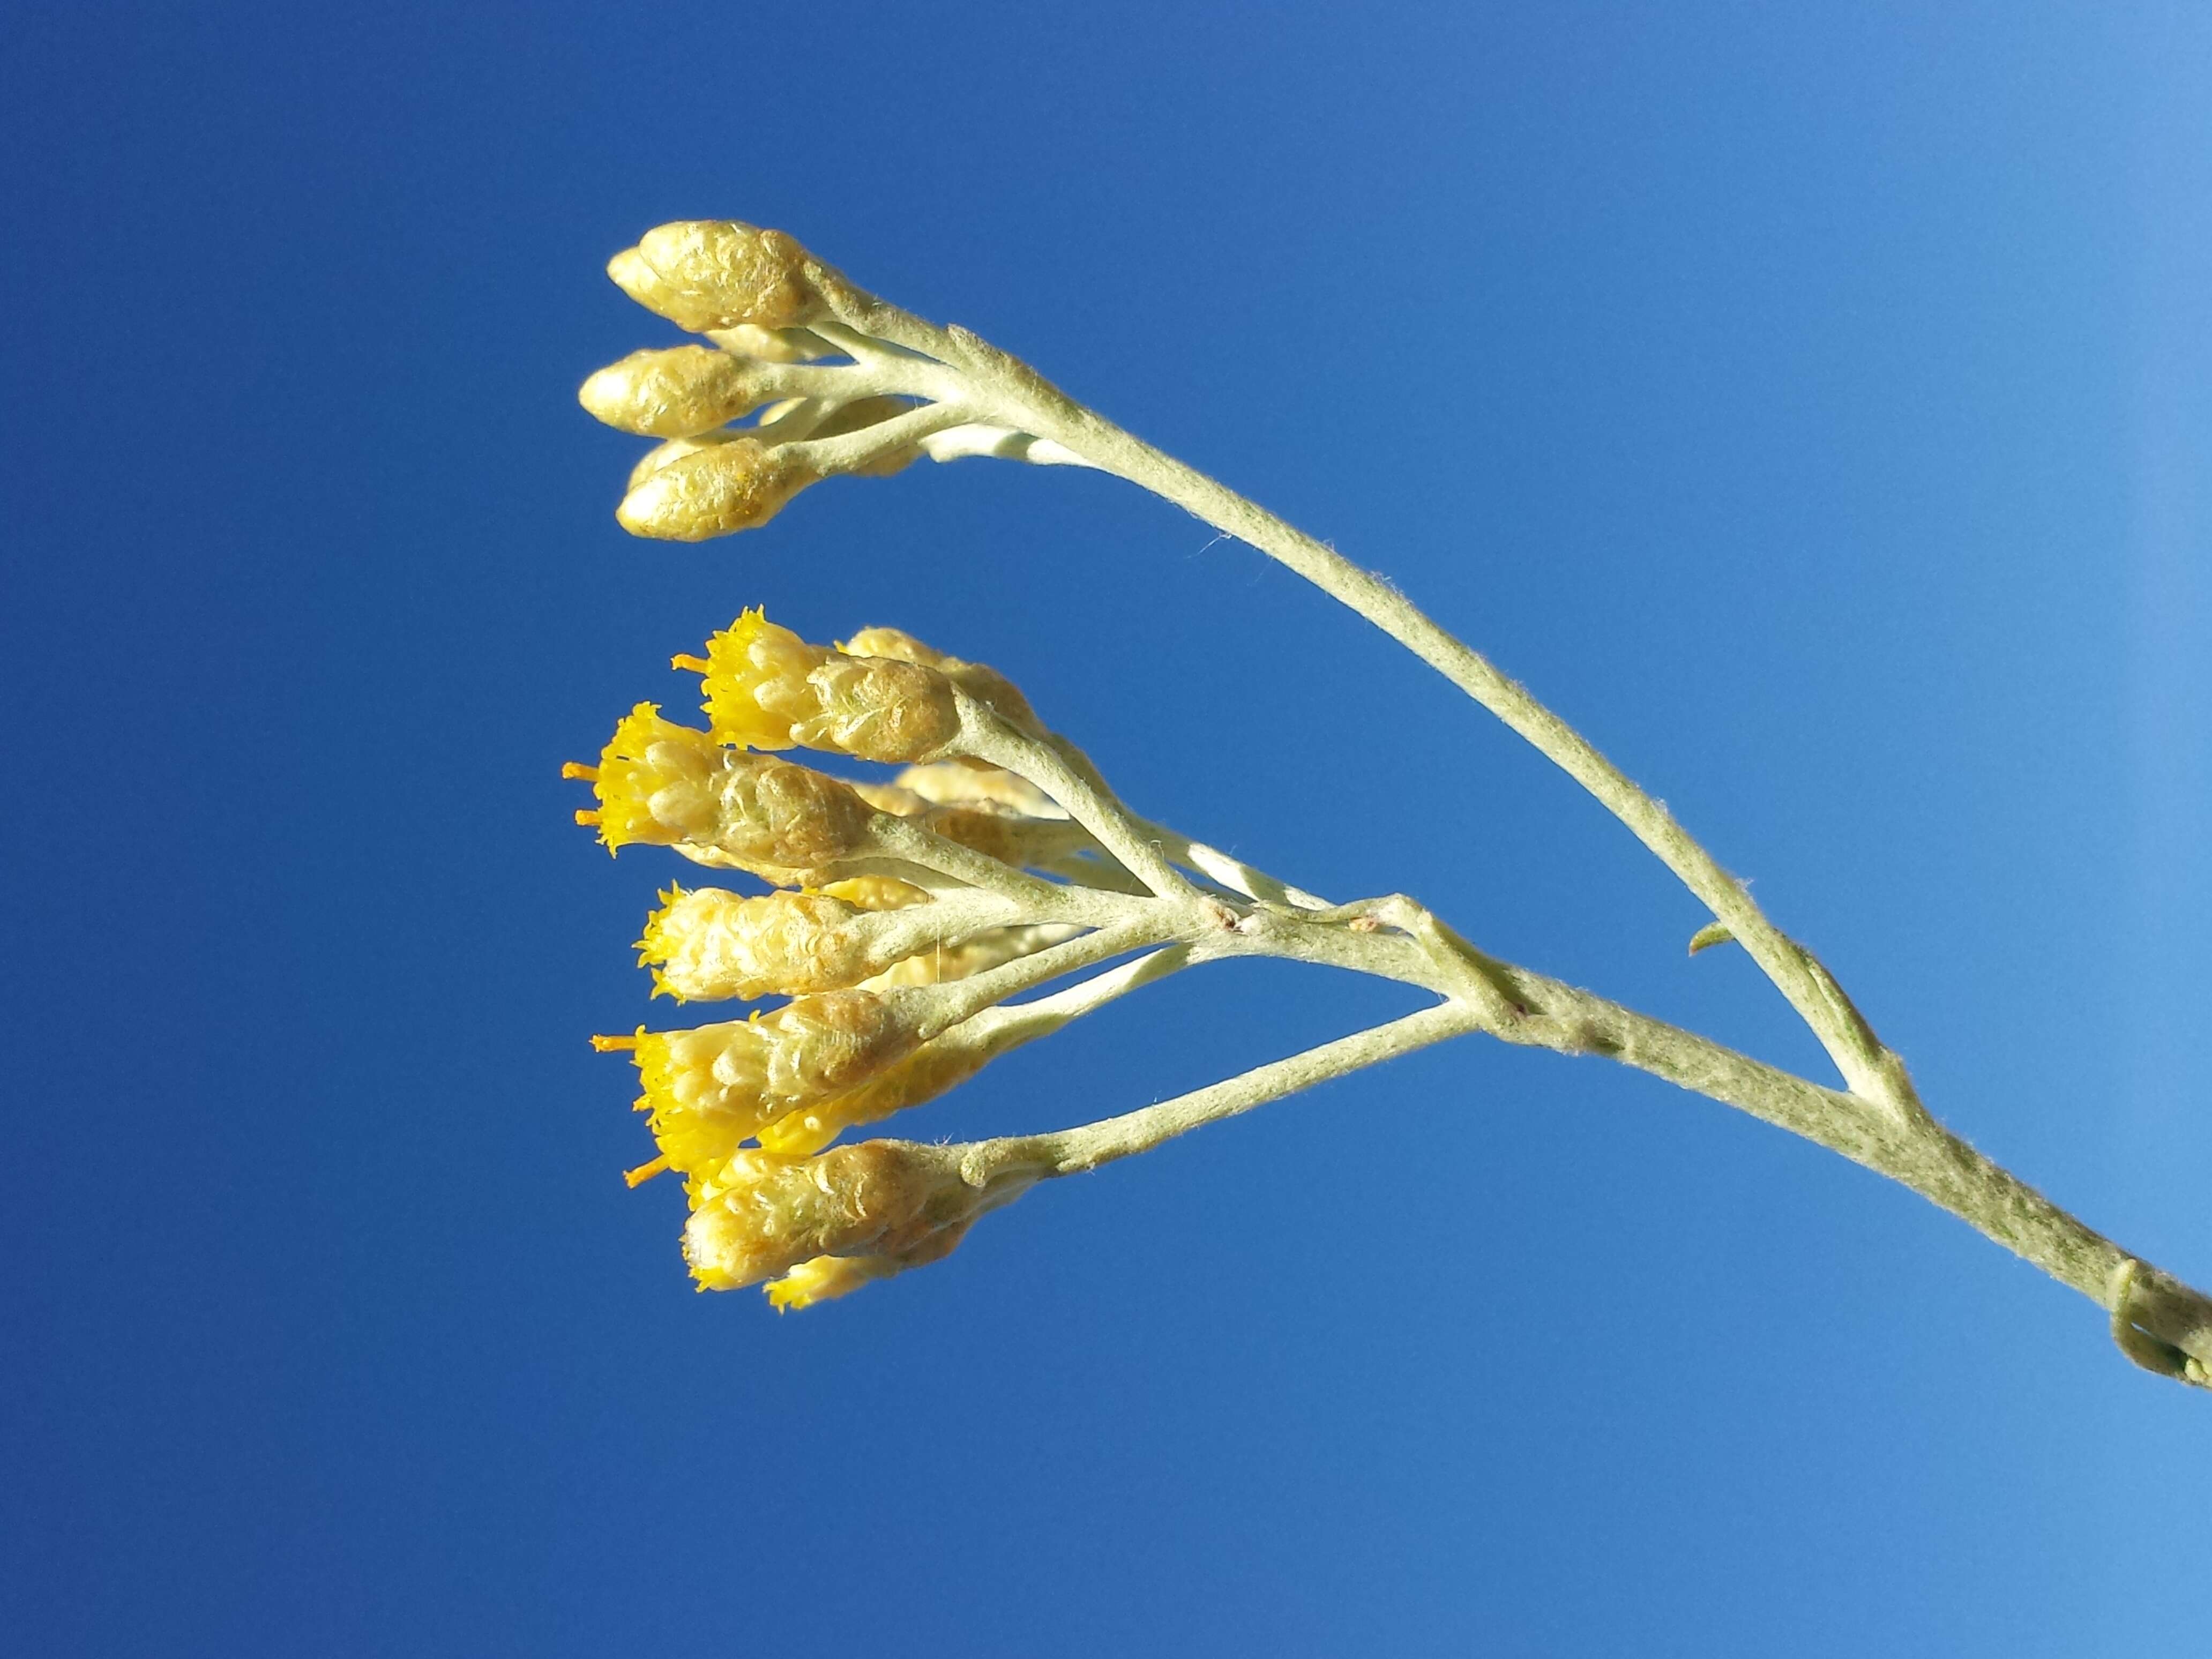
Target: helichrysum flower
(670, 784)
(739, 484)
(867, 1033)
(718, 273)
(708, 943)
(761, 1215)
(711, 1088)
(678, 392)
(768, 688)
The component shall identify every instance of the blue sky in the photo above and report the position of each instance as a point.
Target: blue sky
(1809, 402)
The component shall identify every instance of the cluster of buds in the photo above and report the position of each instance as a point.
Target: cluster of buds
(772, 315)
(904, 915)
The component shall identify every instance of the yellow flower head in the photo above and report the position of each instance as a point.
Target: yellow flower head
(718, 273)
(656, 780)
(710, 1089)
(709, 943)
(768, 688)
(761, 1215)
(713, 491)
(669, 785)
(678, 392)
(755, 681)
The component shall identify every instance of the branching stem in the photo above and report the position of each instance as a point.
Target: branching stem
(978, 400)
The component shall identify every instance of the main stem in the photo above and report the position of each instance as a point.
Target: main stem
(1858, 1056)
(1026, 397)
(2158, 1322)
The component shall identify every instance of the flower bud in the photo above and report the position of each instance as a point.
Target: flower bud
(763, 1215)
(717, 491)
(712, 1087)
(768, 688)
(674, 393)
(668, 785)
(676, 449)
(717, 273)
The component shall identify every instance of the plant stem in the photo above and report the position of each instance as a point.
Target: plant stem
(1879, 1121)
(1071, 1152)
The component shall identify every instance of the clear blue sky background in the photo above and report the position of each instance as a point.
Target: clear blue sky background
(1811, 401)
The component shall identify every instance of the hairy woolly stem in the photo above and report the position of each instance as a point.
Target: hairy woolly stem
(1001, 384)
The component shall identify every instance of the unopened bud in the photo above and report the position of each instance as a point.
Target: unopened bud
(717, 273)
(768, 688)
(673, 393)
(713, 491)
(676, 449)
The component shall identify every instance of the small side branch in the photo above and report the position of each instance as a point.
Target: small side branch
(1071, 1152)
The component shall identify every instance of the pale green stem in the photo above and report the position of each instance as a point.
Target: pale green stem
(1003, 387)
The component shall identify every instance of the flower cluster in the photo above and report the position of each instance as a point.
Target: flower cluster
(752, 293)
(824, 397)
(895, 972)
